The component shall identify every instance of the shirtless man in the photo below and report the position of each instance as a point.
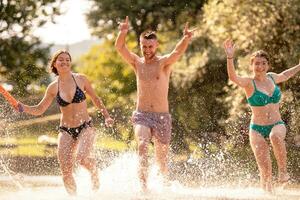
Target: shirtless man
(151, 118)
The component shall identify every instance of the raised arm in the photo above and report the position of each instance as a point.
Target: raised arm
(286, 74)
(44, 103)
(121, 47)
(97, 101)
(229, 48)
(180, 48)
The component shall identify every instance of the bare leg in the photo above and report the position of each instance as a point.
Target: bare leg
(161, 154)
(262, 155)
(143, 135)
(66, 150)
(277, 137)
(84, 157)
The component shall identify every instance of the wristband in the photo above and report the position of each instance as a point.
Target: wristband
(20, 108)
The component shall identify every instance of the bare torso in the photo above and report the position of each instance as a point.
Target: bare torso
(152, 86)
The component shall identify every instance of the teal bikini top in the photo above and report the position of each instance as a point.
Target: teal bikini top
(259, 98)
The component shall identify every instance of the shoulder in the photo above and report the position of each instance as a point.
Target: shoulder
(246, 82)
(273, 76)
(139, 60)
(162, 58)
(53, 87)
(53, 84)
(249, 80)
(80, 77)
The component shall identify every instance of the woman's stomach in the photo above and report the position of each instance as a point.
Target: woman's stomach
(265, 115)
(74, 115)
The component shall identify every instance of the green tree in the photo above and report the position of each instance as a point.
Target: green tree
(196, 96)
(113, 80)
(22, 56)
(162, 15)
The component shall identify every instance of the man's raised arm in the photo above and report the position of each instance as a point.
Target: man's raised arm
(180, 48)
(121, 46)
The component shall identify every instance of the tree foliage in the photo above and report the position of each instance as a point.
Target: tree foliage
(112, 79)
(22, 56)
(162, 15)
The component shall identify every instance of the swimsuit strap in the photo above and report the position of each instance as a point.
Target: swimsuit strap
(254, 85)
(272, 78)
(58, 85)
(74, 80)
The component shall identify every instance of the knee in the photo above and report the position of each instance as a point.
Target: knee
(66, 167)
(86, 161)
(142, 147)
(81, 160)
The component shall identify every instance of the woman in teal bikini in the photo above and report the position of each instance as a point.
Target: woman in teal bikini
(263, 96)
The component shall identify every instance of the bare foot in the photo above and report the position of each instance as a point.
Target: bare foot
(70, 185)
(145, 189)
(283, 179)
(144, 185)
(166, 182)
(268, 187)
(143, 181)
(95, 181)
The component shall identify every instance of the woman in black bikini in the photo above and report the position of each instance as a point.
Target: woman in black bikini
(76, 133)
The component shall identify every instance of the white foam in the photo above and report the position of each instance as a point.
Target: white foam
(119, 181)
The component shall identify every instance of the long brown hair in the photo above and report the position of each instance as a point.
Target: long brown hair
(54, 58)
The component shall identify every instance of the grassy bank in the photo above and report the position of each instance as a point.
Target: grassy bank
(33, 146)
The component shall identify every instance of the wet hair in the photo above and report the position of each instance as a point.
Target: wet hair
(54, 58)
(260, 54)
(148, 35)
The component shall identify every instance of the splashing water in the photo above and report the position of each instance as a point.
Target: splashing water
(120, 181)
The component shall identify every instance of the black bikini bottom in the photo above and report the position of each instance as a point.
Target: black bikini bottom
(74, 132)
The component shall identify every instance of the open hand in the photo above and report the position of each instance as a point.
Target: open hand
(109, 122)
(229, 48)
(19, 107)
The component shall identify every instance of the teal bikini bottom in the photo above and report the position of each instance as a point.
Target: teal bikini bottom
(264, 130)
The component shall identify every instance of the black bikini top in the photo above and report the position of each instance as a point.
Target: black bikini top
(79, 96)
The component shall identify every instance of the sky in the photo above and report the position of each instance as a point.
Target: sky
(70, 28)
